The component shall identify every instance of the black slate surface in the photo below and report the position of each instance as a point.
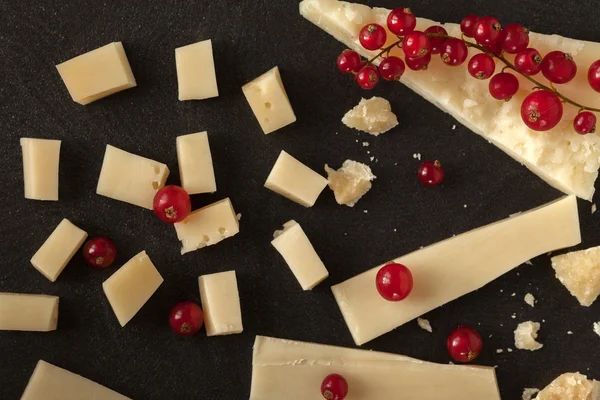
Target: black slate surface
(145, 360)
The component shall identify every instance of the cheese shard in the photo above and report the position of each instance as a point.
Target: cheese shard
(571, 386)
(269, 101)
(561, 157)
(97, 74)
(40, 168)
(295, 370)
(221, 303)
(525, 336)
(58, 249)
(207, 226)
(445, 271)
(28, 312)
(350, 183)
(130, 178)
(300, 255)
(50, 382)
(294, 180)
(373, 116)
(196, 75)
(579, 271)
(195, 164)
(128, 289)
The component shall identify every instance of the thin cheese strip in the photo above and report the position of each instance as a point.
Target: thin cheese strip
(452, 268)
(40, 168)
(28, 312)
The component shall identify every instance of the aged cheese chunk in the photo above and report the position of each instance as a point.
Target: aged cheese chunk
(207, 226)
(195, 163)
(571, 386)
(351, 182)
(579, 271)
(299, 254)
(445, 271)
(529, 299)
(295, 370)
(269, 101)
(424, 324)
(40, 168)
(221, 303)
(128, 289)
(130, 178)
(28, 312)
(58, 249)
(294, 180)
(525, 336)
(373, 116)
(196, 75)
(529, 393)
(97, 74)
(50, 382)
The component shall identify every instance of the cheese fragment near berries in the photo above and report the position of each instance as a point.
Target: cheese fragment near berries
(444, 271)
(579, 271)
(571, 386)
(350, 183)
(294, 371)
(373, 116)
(28, 312)
(40, 168)
(221, 303)
(561, 157)
(526, 335)
(195, 164)
(196, 77)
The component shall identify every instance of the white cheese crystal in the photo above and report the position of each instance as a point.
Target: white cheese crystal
(373, 116)
(525, 336)
(28, 312)
(597, 328)
(424, 324)
(349, 183)
(40, 168)
(529, 393)
(221, 303)
(196, 77)
(579, 271)
(571, 386)
(529, 299)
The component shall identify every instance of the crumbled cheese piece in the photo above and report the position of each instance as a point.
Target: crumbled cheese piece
(238, 216)
(514, 316)
(571, 386)
(529, 299)
(365, 144)
(528, 393)
(366, 211)
(525, 336)
(597, 328)
(465, 206)
(499, 351)
(371, 158)
(569, 332)
(529, 263)
(594, 208)
(510, 350)
(513, 295)
(424, 324)
(373, 116)
(453, 127)
(579, 271)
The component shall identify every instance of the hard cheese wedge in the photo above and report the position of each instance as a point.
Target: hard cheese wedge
(195, 163)
(40, 168)
(221, 303)
(295, 370)
(579, 271)
(28, 312)
(196, 75)
(564, 159)
(452, 268)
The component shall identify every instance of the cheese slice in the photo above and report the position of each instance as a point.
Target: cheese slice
(561, 157)
(454, 267)
(195, 164)
(221, 303)
(130, 178)
(28, 312)
(571, 386)
(196, 75)
(97, 74)
(295, 370)
(58, 249)
(50, 382)
(579, 271)
(40, 168)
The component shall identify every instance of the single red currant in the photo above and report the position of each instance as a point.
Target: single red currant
(585, 122)
(541, 110)
(559, 67)
(482, 66)
(367, 77)
(431, 173)
(495, 49)
(515, 38)
(359, 67)
(100, 252)
(594, 76)
(467, 25)
(528, 62)
(416, 44)
(391, 68)
(454, 52)
(418, 64)
(487, 31)
(394, 282)
(172, 204)
(503, 86)
(372, 36)
(401, 21)
(186, 318)
(464, 344)
(348, 61)
(334, 387)
(436, 41)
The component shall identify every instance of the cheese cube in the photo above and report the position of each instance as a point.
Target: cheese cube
(269, 101)
(579, 271)
(196, 76)
(299, 254)
(349, 183)
(294, 180)
(128, 289)
(130, 178)
(207, 226)
(58, 249)
(28, 312)
(97, 74)
(40, 168)
(373, 116)
(195, 163)
(221, 303)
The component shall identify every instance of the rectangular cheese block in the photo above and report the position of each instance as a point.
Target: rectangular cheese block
(207, 226)
(130, 178)
(50, 382)
(269, 101)
(196, 77)
(300, 255)
(295, 370)
(28, 312)
(294, 180)
(97, 74)
(58, 249)
(221, 303)
(579, 271)
(454, 267)
(128, 289)
(195, 164)
(40, 168)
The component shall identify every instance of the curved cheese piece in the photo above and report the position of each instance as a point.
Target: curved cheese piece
(28, 312)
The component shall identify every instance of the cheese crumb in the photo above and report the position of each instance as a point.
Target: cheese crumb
(371, 158)
(513, 295)
(569, 332)
(424, 324)
(597, 328)
(525, 336)
(373, 116)
(498, 351)
(349, 183)
(594, 208)
(366, 211)
(453, 127)
(528, 262)
(365, 144)
(579, 272)
(465, 206)
(239, 216)
(514, 316)
(571, 386)
(528, 393)
(510, 350)
(529, 299)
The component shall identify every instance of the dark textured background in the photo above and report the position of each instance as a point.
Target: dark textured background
(145, 360)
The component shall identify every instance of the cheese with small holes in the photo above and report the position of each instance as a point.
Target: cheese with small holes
(579, 271)
(28, 312)
(195, 164)
(526, 335)
(196, 75)
(128, 289)
(207, 226)
(97, 74)
(372, 115)
(571, 386)
(444, 271)
(299, 254)
(130, 178)
(40, 168)
(269, 101)
(221, 303)
(58, 249)
(350, 183)
(294, 180)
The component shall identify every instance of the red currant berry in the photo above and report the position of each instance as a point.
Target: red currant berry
(454, 52)
(594, 76)
(487, 31)
(334, 387)
(585, 122)
(482, 66)
(528, 62)
(348, 61)
(418, 64)
(431, 173)
(436, 41)
(359, 67)
(495, 49)
(559, 67)
(503, 86)
(372, 36)
(186, 318)
(367, 77)
(467, 25)
(394, 282)
(541, 110)
(515, 38)
(464, 344)
(100, 252)
(172, 204)
(416, 44)
(401, 21)
(391, 68)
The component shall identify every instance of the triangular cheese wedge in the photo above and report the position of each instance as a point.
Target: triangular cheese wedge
(561, 157)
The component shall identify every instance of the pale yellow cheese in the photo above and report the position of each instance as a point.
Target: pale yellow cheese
(196, 75)
(195, 164)
(350, 183)
(97, 74)
(579, 271)
(372, 115)
(40, 168)
(571, 386)
(28, 312)
(221, 303)
(526, 335)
